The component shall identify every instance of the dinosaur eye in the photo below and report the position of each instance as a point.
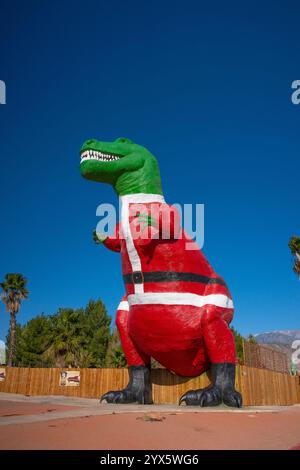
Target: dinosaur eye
(124, 140)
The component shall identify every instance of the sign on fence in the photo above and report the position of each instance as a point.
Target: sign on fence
(69, 378)
(2, 374)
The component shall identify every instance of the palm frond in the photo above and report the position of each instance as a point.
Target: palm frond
(296, 267)
(294, 246)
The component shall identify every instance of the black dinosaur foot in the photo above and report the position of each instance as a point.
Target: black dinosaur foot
(210, 396)
(121, 396)
(221, 389)
(138, 389)
(232, 398)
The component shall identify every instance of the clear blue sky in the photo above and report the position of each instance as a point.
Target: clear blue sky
(206, 87)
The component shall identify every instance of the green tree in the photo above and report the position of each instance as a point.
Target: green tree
(98, 348)
(115, 356)
(96, 333)
(33, 339)
(13, 292)
(80, 337)
(65, 345)
(69, 338)
(294, 246)
(251, 339)
(238, 338)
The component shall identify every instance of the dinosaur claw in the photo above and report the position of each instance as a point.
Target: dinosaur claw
(105, 398)
(183, 399)
(190, 398)
(233, 398)
(239, 401)
(110, 397)
(202, 400)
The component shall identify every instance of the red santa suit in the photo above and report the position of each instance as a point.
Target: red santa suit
(176, 308)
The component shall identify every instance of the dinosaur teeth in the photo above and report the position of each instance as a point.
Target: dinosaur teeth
(95, 155)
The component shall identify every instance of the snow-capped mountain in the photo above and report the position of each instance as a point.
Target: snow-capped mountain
(286, 337)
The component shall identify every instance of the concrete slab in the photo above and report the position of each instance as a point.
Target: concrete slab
(59, 422)
(73, 407)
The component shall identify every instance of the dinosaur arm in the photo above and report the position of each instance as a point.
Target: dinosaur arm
(169, 222)
(114, 242)
(161, 223)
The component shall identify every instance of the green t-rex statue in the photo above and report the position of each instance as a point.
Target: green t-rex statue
(176, 308)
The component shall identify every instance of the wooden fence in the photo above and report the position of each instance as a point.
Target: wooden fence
(258, 386)
(265, 357)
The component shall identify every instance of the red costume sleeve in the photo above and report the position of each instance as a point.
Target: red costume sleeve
(114, 242)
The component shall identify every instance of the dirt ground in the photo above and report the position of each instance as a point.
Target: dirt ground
(72, 423)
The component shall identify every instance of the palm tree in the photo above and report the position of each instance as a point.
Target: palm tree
(294, 246)
(65, 348)
(14, 291)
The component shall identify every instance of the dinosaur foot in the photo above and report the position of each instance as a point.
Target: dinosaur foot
(221, 390)
(210, 396)
(138, 389)
(121, 396)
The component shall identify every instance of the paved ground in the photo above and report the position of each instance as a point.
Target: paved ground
(77, 423)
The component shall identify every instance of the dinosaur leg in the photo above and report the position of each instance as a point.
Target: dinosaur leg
(138, 389)
(220, 347)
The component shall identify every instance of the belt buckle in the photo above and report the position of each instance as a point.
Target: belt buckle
(137, 277)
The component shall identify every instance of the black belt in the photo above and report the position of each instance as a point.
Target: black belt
(138, 277)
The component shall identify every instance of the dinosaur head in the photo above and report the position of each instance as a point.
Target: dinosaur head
(128, 167)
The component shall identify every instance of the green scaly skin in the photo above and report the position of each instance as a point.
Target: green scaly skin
(132, 170)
